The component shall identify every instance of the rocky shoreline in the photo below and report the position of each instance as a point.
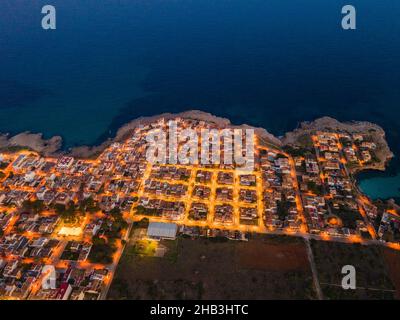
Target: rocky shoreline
(383, 152)
(32, 141)
(52, 146)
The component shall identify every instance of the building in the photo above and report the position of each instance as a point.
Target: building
(160, 230)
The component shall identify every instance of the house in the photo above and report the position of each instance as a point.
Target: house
(65, 162)
(63, 292)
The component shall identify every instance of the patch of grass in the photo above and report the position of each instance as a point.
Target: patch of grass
(143, 248)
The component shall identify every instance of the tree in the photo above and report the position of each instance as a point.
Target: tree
(71, 208)
(36, 206)
(116, 213)
(102, 251)
(60, 208)
(282, 208)
(315, 188)
(89, 205)
(144, 223)
(118, 224)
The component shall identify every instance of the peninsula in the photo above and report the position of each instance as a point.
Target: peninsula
(73, 212)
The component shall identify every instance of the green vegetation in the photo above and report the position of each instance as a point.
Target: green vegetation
(283, 207)
(4, 165)
(102, 250)
(67, 213)
(348, 216)
(146, 211)
(305, 141)
(297, 151)
(143, 248)
(118, 223)
(345, 142)
(35, 207)
(315, 188)
(88, 205)
(280, 156)
(143, 223)
(70, 255)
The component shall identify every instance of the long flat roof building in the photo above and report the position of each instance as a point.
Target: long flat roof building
(161, 230)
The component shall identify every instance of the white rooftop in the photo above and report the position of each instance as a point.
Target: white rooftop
(70, 231)
(162, 230)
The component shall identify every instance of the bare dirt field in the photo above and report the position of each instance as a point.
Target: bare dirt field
(279, 257)
(262, 268)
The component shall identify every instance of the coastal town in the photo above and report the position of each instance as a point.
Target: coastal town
(65, 221)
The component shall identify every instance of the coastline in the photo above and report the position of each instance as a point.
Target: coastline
(52, 146)
(383, 151)
(32, 141)
(372, 183)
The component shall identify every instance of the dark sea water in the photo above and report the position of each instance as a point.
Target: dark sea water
(266, 63)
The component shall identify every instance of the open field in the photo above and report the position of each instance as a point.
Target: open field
(392, 259)
(372, 276)
(263, 268)
(273, 254)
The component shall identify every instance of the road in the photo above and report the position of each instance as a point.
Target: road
(310, 255)
(112, 268)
